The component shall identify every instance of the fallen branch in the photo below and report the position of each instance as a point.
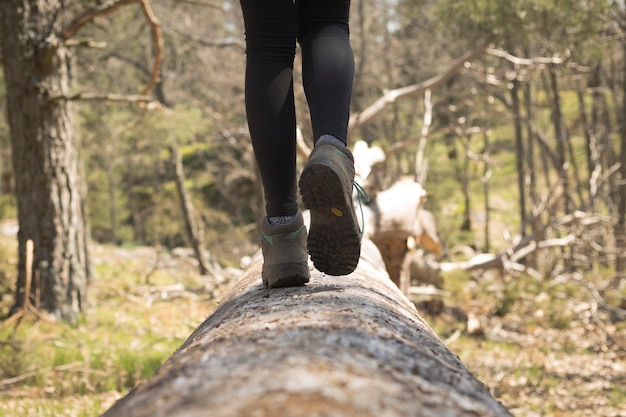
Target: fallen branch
(36, 372)
(616, 312)
(529, 62)
(202, 3)
(511, 257)
(427, 290)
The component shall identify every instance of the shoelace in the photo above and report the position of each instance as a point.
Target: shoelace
(362, 196)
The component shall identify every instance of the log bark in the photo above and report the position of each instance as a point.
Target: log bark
(339, 346)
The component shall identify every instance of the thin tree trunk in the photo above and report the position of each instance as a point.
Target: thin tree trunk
(530, 141)
(421, 164)
(339, 346)
(191, 226)
(486, 191)
(464, 179)
(520, 155)
(531, 163)
(601, 124)
(561, 138)
(620, 227)
(110, 175)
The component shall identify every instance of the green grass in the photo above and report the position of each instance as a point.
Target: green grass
(125, 335)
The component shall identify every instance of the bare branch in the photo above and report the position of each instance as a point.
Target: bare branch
(86, 43)
(213, 43)
(530, 62)
(202, 3)
(411, 90)
(111, 7)
(157, 38)
(510, 258)
(617, 312)
(13, 380)
(90, 14)
(148, 101)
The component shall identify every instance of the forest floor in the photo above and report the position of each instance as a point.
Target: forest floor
(543, 348)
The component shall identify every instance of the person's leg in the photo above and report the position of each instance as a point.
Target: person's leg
(327, 64)
(334, 241)
(270, 27)
(270, 49)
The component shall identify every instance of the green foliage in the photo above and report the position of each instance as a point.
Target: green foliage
(7, 200)
(617, 395)
(8, 273)
(120, 152)
(458, 283)
(8, 207)
(562, 23)
(506, 300)
(136, 367)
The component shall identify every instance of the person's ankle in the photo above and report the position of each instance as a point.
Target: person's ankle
(281, 220)
(329, 139)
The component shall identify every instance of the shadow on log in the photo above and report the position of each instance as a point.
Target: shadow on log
(339, 346)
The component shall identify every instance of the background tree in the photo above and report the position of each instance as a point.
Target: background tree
(48, 185)
(45, 155)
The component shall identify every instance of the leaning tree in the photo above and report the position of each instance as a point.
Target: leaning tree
(35, 36)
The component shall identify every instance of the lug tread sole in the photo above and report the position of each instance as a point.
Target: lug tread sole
(334, 242)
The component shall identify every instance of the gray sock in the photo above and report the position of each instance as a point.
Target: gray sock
(329, 139)
(281, 220)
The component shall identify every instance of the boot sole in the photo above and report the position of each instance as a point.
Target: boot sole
(334, 242)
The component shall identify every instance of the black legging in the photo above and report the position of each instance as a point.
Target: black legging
(272, 27)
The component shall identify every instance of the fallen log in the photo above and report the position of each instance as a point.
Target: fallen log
(339, 346)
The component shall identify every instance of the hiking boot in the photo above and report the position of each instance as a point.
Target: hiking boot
(285, 257)
(326, 186)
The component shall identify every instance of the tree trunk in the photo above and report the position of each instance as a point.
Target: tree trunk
(110, 175)
(520, 155)
(561, 136)
(531, 162)
(48, 187)
(486, 178)
(463, 174)
(339, 346)
(191, 225)
(620, 226)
